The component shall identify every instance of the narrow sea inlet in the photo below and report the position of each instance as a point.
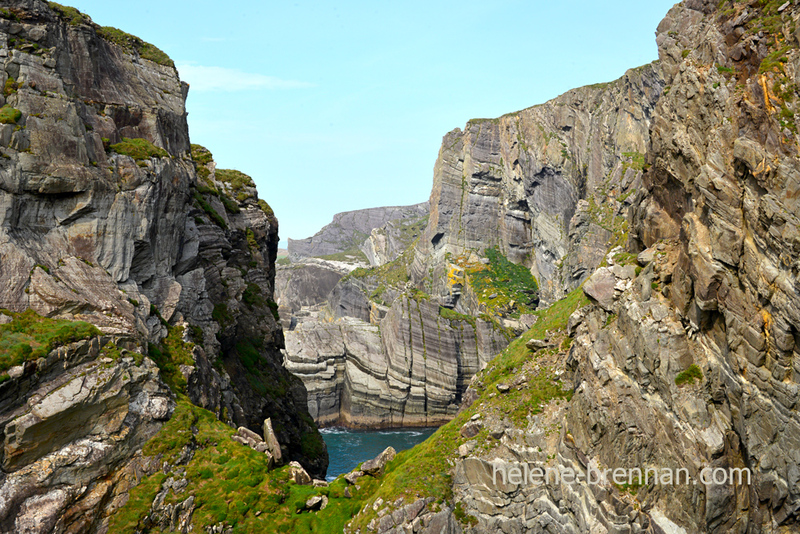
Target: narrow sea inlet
(348, 448)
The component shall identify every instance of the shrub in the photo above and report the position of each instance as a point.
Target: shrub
(9, 115)
(689, 375)
(252, 295)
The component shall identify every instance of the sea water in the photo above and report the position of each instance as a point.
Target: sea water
(348, 448)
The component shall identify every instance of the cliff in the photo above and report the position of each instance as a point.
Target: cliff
(548, 186)
(679, 353)
(346, 234)
(523, 210)
(110, 217)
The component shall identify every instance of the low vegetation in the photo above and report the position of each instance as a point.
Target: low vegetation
(30, 336)
(9, 115)
(504, 288)
(692, 373)
(203, 204)
(131, 43)
(169, 355)
(139, 149)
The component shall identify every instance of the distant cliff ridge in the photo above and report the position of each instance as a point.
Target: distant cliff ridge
(348, 231)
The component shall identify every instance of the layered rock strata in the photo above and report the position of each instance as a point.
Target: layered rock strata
(548, 185)
(349, 229)
(690, 361)
(106, 217)
(412, 370)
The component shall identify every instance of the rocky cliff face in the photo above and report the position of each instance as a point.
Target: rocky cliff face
(349, 230)
(109, 216)
(410, 369)
(548, 186)
(686, 355)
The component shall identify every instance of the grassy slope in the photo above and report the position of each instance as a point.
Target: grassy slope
(232, 485)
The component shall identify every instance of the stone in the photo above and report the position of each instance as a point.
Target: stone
(646, 256)
(320, 483)
(353, 476)
(537, 344)
(317, 502)
(600, 287)
(466, 448)
(271, 440)
(376, 466)
(471, 429)
(298, 474)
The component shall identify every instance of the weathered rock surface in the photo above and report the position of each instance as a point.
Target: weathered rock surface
(387, 242)
(376, 466)
(137, 247)
(72, 424)
(545, 185)
(690, 363)
(410, 371)
(349, 230)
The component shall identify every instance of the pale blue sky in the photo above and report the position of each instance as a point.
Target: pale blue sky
(334, 106)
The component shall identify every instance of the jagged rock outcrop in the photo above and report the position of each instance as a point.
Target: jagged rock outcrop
(412, 370)
(109, 217)
(691, 363)
(546, 185)
(71, 423)
(387, 242)
(350, 229)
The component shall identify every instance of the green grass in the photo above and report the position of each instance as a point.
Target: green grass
(9, 115)
(266, 208)
(452, 315)
(237, 180)
(633, 160)
(131, 43)
(169, 355)
(7, 14)
(72, 16)
(230, 205)
(350, 255)
(510, 282)
(138, 149)
(231, 483)
(30, 336)
(210, 211)
(689, 375)
(201, 155)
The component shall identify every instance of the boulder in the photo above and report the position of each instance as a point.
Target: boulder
(298, 474)
(376, 466)
(317, 502)
(600, 287)
(353, 476)
(271, 440)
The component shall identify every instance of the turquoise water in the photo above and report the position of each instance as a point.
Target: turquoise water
(348, 448)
